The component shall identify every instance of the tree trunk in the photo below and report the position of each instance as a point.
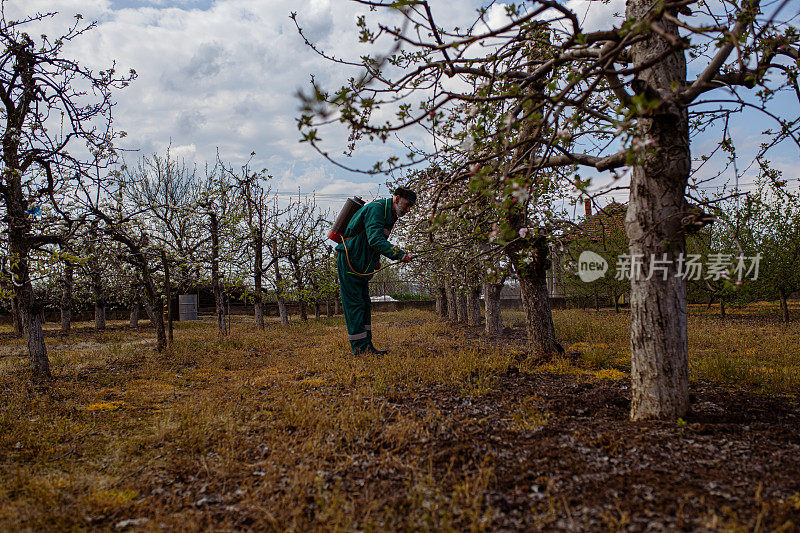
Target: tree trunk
(538, 316)
(328, 308)
(16, 316)
(784, 306)
(156, 313)
(99, 315)
(531, 261)
(29, 309)
(317, 311)
(32, 328)
(135, 315)
(491, 302)
(259, 312)
(279, 286)
(97, 282)
(99, 303)
(452, 306)
(168, 296)
(336, 306)
(258, 267)
(148, 309)
(461, 308)
(474, 307)
(300, 292)
(219, 303)
(441, 302)
(66, 297)
(659, 346)
(282, 310)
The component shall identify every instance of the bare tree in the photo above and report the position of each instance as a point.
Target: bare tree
(38, 83)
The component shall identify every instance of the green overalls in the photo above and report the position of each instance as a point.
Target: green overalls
(365, 238)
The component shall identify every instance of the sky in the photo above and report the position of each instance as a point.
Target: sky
(223, 75)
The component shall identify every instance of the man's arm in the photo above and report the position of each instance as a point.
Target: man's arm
(373, 227)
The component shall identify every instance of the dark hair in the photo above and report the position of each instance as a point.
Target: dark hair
(408, 194)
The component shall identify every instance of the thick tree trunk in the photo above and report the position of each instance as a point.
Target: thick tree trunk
(303, 312)
(328, 308)
(441, 302)
(66, 297)
(336, 306)
(659, 347)
(491, 302)
(452, 305)
(784, 305)
(30, 312)
(29, 309)
(474, 307)
(37, 351)
(531, 261)
(317, 310)
(539, 317)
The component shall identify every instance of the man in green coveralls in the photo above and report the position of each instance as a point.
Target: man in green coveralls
(358, 256)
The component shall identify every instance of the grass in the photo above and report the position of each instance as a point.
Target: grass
(259, 430)
(748, 350)
(123, 432)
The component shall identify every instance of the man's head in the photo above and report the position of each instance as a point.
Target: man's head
(403, 200)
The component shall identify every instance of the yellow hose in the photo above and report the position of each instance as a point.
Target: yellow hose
(353, 270)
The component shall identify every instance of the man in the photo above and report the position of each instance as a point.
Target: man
(358, 256)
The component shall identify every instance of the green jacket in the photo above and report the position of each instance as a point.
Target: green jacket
(366, 237)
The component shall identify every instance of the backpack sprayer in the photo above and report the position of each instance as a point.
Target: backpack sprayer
(351, 207)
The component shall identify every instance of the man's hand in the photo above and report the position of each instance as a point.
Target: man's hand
(407, 257)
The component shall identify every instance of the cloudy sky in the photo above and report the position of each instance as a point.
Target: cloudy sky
(224, 74)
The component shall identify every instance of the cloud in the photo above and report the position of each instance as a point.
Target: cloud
(214, 75)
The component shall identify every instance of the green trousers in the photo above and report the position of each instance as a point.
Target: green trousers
(356, 306)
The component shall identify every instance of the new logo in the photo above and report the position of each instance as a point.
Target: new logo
(591, 266)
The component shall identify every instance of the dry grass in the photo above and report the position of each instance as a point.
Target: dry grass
(747, 350)
(259, 429)
(252, 424)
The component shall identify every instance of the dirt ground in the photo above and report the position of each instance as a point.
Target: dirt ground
(734, 462)
(282, 430)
